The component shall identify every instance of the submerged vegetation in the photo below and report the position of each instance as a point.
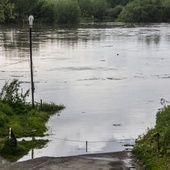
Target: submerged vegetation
(153, 148)
(74, 11)
(17, 113)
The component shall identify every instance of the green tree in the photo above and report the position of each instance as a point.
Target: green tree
(86, 7)
(67, 11)
(10, 94)
(142, 11)
(114, 12)
(166, 14)
(44, 11)
(114, 3)
(23, 8)
(99, 8)
(6, 11)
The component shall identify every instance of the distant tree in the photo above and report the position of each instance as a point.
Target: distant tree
(24, 7)
(114, 3)
(44, 11)
(67, 11)
(99, 8)
(86, 7)
(114, 12)
(6, 11)
(142, 11)
(166, 14)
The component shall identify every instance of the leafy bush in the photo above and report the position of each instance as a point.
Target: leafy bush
(153, 148)
(3, 119)
(99, 8)
(5, 108)
(166, 12)
(86, 7)
(6, 11)
(67, 11)
(44, 11)
(114, 3)
(10, 95)
(25, 121)
(142, 11)
(114, 12)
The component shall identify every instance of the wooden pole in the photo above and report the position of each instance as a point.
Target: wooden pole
(31, 69)
(86, 146)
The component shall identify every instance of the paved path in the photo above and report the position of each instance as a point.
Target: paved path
(108, 161)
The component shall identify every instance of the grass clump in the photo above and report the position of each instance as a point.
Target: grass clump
(153, 148)
(25, 121)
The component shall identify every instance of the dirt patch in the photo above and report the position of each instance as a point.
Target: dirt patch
(104, 161)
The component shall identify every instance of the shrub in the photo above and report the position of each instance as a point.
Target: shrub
(10, 95)
(142, 11)
(3, 119)
(114, 12)
(6, 109)
(99, 8)
(67, 12)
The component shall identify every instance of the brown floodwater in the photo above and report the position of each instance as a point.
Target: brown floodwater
(109, 76)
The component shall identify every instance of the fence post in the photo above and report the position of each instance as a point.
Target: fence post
(86, 145)
(12, 138)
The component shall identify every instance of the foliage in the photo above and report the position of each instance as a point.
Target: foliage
(67, 11)
(44, 11)
(153, 148)
(3, 119)
(114, 12)
(142, 11)
(114, 3)
(86, 7)
(16, 100)
(93, 8)
(6, 11)
(99, 8)
(166, 13)
(23, 8)
(70, 11)
(25, 121)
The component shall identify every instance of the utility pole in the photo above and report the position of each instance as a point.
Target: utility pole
(31, 19)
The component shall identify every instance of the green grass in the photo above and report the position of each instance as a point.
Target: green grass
(25, 121)
(153, 150)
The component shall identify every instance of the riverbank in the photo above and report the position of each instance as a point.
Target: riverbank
(105, 161)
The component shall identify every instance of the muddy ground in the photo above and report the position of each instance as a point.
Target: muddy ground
(105, 161)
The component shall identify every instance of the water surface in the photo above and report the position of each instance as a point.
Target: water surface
(110, 77)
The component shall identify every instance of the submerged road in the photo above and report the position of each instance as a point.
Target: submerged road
(105, 161)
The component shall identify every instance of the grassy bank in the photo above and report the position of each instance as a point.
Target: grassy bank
(24, 120)
(153, 148)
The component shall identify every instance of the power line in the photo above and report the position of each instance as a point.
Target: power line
(82, 141)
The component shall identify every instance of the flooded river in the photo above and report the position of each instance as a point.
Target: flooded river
(110, 77)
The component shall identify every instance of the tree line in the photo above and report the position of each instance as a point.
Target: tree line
(74, 11)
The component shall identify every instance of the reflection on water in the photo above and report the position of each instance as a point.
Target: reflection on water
(110, 77)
